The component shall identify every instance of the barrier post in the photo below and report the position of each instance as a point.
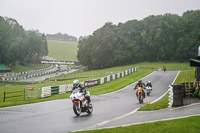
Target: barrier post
(148, 101)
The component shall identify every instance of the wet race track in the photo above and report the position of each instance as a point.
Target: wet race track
(58, 117)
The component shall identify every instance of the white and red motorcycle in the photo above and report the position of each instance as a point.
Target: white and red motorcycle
(80, 103)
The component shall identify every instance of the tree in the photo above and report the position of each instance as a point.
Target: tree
(189, 30)
(167, 37)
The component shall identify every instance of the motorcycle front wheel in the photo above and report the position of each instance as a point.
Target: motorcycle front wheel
(77, 109)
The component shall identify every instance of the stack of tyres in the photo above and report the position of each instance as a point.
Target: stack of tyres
(177, 95)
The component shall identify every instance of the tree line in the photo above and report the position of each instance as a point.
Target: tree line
(160, 38)
(18, 45)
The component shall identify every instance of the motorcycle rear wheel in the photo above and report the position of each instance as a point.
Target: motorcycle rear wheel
(90, 109)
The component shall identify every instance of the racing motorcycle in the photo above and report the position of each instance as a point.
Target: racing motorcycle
(80, 103)
(140, 94)
(148, 89)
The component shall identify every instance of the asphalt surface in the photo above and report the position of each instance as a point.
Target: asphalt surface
(58, 117)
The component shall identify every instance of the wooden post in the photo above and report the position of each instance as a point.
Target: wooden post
(24, 94)
(4, 96)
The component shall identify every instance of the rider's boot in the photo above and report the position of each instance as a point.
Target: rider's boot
(89, 101)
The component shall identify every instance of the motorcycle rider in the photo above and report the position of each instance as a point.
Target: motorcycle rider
(164, 68)
(76, 84)
(149, 84)
(142, 85)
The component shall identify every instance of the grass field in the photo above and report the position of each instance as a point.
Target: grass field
(62, 50)
(184, 125)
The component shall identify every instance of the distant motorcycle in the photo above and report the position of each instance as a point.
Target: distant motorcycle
(80, 103)
(140, 94)
(148, 89)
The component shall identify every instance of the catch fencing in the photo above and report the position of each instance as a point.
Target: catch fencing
(28, 93)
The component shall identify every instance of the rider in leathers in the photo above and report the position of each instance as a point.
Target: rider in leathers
(140, 84)
(76, 84)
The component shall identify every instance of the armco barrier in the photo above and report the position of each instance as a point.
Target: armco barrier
(101, 80)
(54, 90)
(108, 78)
(26, 75)
(51, 90)
(116, 76)
(46, 91)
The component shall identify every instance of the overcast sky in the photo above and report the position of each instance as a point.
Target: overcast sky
(83, 17)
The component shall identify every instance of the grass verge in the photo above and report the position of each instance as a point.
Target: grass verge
(184, 125)
(162, 103)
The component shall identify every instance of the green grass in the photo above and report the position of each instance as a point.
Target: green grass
(184, 76)
(62, 50)
(169, 66)
(162, 103)
(184, 125)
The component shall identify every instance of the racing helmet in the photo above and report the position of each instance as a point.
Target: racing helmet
(76, 83)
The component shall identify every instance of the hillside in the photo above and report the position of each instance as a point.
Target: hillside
(62, 50)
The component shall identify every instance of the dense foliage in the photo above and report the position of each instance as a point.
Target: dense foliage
(61, 37)
(163, 38)
(18, 45)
